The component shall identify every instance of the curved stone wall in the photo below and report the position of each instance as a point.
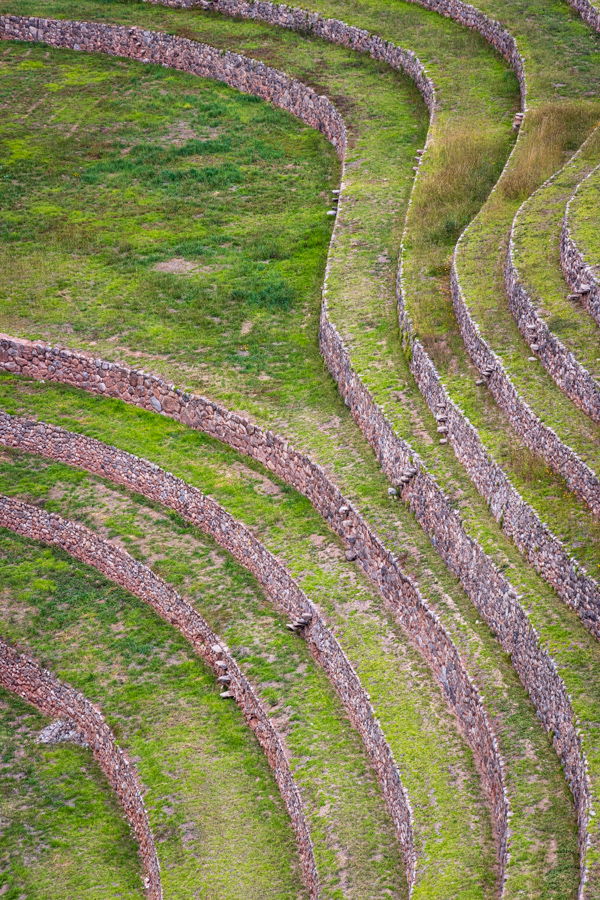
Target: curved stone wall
(240, 72)
(123, 569)
(541, 439)
(154, 483)
(332, 30)
(554, 706)
(24, 677)
(576, 270)
(588, 12)
(572, 378)
(149, 392)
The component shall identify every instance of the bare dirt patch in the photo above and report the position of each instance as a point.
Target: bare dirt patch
(176, 266)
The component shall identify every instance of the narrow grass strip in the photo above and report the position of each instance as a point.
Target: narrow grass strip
(553, 323)
(159, 486)
(121, 568)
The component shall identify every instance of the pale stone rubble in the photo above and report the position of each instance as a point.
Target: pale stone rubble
(24, 677)
(124, 570)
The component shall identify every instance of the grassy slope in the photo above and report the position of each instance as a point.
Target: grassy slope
(474, 103)
(214, 808)
(455, 844)
(583, 219)
(63, 830)
(354, 843)
(354, 837)
(538, 259)
(564, 73)
(290, 528)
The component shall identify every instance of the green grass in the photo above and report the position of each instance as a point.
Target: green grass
(64, 832)
(583, 219)
(214, 808)
(538, 259)
(479, 91)
(354, 837)
(391, 672)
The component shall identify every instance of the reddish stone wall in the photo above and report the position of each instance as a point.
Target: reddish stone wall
(588, 12)
(123, 569)
(150, 481)
(22, 676)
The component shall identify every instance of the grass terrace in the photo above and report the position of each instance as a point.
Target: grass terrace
(207, 780)
(64, 830)
(581, 219)
(538, 258)
(389, 670)
(169, 222)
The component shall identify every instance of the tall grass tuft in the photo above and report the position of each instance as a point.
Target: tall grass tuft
(461, 168)
(554, 131)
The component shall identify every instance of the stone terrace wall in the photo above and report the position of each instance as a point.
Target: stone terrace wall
(22, 676)
(332, 30)
(123, 569)
(242, 73)
(149, 392)
(576, 270)
(541, 439)
(490, 29)
(569, 750)
(588, 12)
(491, 593)
(156, 484)
(571, 377)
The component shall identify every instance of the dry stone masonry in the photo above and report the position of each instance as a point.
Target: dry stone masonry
(588, 12)
(332, 30)
(244, 74)
(540, 438)
(583, 279)
(154, 483)
(123, 569)
(489, 590)
(423, 626)
(571, 377)
(24, 677)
